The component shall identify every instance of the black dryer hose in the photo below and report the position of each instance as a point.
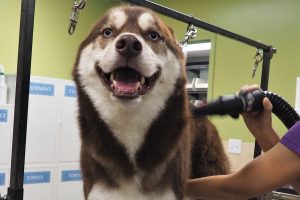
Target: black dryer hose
(282, 109)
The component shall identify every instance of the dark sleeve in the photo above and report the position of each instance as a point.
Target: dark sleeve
(292, 138)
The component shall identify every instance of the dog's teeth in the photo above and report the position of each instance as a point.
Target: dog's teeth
(143, 80)
(112, 77)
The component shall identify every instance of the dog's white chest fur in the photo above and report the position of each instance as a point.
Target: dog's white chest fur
(127, 191)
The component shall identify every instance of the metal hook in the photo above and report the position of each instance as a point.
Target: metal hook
(72, 27)
(191, 33)
(80, 5)
(257, 59)
(77, 6)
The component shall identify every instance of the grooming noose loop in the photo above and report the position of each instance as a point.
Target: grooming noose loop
(191, 33)
(76, 8)
(258, 57)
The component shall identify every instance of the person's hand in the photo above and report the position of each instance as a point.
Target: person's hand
(260, 123)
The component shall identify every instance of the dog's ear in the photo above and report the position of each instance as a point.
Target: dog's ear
(168, 31)
(172, 32)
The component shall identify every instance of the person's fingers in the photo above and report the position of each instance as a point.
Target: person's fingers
(253, 87)
(248, 88)
(267, 108)
(267, 104)
(244, 87)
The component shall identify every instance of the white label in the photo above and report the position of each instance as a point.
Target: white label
(234, 146)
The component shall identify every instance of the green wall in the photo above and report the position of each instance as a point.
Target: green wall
(54, 50)
(9, 33)
(275, 22)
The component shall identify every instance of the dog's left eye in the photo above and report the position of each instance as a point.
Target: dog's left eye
(153, 36)
(107, 32)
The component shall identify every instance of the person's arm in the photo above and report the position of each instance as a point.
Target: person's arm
(269, 171)
(260, 125)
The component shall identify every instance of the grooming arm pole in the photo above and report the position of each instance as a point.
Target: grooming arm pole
(15, 191)
(267, 56)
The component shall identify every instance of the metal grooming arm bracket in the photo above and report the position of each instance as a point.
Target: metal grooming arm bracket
(268, 50)
(201, 24)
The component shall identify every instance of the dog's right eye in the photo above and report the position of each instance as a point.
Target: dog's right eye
(154, 36)
(107, 32)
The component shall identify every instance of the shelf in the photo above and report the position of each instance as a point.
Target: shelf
(197, 91)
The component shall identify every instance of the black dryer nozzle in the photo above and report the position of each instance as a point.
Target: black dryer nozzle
(233, 104)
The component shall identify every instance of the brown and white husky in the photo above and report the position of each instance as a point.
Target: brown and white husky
(139, 138)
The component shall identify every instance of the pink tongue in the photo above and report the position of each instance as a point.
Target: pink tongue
(121, 86)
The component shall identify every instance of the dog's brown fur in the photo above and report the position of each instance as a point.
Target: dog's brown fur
(177, 146)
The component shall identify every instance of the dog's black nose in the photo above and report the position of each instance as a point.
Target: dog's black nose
(129, 46)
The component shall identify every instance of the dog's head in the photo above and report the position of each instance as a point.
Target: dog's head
(129, 55)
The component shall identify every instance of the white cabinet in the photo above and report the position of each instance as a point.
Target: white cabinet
(69, 140)
(6, 128)
(52, 144)
(6, 124)
(70, 184)
(38, 184)
(4, 181)
(52, 128)
(42, 123)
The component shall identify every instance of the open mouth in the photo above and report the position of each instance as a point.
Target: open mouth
(127, 83)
